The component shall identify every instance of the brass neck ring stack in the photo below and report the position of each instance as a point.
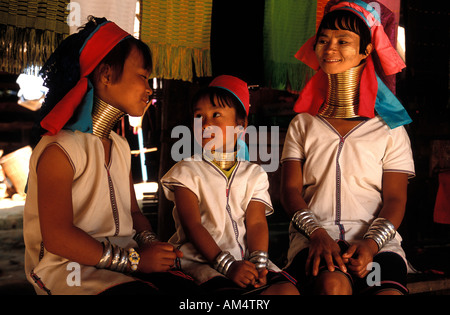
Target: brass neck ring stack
(343, 94)
(224, 161)
(104, 118)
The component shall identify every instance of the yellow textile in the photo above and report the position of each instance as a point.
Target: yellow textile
(178, 34)
(30, 30)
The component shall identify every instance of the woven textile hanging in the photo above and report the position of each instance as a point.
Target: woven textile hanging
(121, 12)
(178, 34)
(30, 30)
(288, 24)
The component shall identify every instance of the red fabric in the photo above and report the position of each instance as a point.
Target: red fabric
(96, 48)
(442, 205)
(236, 86)
(314, 93)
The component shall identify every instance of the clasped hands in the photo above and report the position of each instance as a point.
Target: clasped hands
(354, 260)
(244, 274)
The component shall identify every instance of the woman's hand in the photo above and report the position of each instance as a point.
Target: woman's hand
(323, 247)
(359, 255)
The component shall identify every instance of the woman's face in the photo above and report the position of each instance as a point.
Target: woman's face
(338, 50)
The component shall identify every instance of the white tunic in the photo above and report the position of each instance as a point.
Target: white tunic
(222, 203)
(101, 207)
(342, 176)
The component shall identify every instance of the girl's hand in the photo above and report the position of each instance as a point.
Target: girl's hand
(261, 280)
(243, 273)
(322, 246)
(158, 257)
(359, 255)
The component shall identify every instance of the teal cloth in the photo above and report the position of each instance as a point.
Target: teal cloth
(389, 107)
(82, 117)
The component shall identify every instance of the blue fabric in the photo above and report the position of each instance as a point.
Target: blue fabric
(242, 153)
(82, 118)
(368, 8)
(389, 107)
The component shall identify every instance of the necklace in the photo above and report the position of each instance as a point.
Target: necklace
(343, 94)
(225, 161)
(104, 118)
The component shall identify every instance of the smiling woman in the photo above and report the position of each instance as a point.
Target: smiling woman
(338, 179)
(338, 50)
(342, 42)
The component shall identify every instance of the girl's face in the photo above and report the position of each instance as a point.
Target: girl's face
(131, 92)
(338, 50)
(214, 121)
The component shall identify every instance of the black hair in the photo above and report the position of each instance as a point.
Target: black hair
(348, 21)
(61, 72)
(117, 56)
(222, 98)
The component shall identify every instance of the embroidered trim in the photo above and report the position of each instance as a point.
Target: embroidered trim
(337, 220)
(112, 197)
(229, 182)
(39, 282)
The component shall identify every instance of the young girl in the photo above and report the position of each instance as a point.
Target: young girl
(346, 161)
(221, 202)
(83, 230)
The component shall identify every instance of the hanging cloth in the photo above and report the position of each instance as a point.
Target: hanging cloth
(30, 30)
(287, 24)
(178, 34)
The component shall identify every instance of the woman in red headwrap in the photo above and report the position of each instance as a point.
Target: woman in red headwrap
(84, 232)
(346, 161)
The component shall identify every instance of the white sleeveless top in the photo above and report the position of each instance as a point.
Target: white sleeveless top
(342, 175)
(222, 204)
(101, 208)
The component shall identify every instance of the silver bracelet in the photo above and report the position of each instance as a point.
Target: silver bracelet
(381, 231)
(115, 257)
(123, 261)
(306, 222)
(145, 237)
(105, 261)
(118, 259)
(260, 259)
(223, 262)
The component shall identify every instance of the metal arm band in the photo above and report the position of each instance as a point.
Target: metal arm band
(223, 262)
(118, 259)
(305, 222)
(260, 259)
(381, 231)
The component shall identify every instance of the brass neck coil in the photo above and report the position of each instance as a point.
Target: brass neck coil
(104, 118)
(343, 94)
